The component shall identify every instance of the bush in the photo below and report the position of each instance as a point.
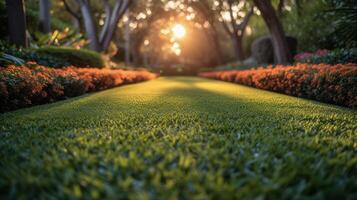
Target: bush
(6, 59)
(335, 84)
(56, 57)
(337, 56)
(76, 57)
(31, 55)
(24, 86)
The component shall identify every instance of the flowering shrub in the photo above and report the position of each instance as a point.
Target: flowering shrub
(24, 86)
(337, 56)
(335, 84)
(306, 56)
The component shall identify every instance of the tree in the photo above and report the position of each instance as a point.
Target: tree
(235, 24)
(100, 40)
(280, 44)
(75, 13)
(127, 38)
(204, 10)
(44, 14)
(17, 22)
(145, 25)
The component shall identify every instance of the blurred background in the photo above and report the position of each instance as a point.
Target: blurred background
(179, 37)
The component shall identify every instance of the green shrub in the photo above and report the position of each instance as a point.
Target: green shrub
(7, 59)
(55, 56)
(31, 55)
(78, 58)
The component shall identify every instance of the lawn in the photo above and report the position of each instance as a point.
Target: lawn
(180, 138)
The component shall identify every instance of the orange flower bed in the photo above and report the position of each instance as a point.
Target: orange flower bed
(26, 86)
(336, 84)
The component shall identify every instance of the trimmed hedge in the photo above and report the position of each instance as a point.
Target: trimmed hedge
(25, 86)
(76, 57)
(56, 57)
(336, 84)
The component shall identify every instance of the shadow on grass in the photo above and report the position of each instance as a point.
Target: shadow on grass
(206, 98)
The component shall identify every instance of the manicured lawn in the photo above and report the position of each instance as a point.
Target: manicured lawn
(180, 138)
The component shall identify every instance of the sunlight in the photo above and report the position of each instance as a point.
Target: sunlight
(179, 31)
(176, 48)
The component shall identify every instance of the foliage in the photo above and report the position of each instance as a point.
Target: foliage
(6, 59)
(29, 54)
(55, 56)
(32, 20)
(66, 38)
(230, 66)
(335, 84)
(179, 138)
(337, 56)
(305, 57)
(310, 25)
(327, 24)
(347, 25)
(76, 57)
(26, 86)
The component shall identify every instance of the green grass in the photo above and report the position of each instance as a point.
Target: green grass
(180, 138)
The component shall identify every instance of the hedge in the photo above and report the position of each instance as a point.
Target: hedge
(75, 57)
(336, 84)
(25, 86)
(56, 57)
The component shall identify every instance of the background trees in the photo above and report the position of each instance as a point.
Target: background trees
(281, 48)
(221, 31)
(207, 16)
(16, 22)
(100, 40)
(44, 13)
(235, 16)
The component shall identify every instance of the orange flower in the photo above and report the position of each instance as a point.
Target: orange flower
(329, 83)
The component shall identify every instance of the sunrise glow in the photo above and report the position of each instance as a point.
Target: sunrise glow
(179, 31)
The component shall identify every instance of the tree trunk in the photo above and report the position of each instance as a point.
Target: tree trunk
(281, 49)
(108, 13)
(45, 25)
(117, 14)
(238, 46)
(137, 42)
(89, 26)
(211, 35)
(76, 18)
(76, 24)
(16, 22)
(216, 45)
(127, 39)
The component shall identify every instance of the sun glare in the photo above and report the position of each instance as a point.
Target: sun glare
(176, 48)
(179, 31)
